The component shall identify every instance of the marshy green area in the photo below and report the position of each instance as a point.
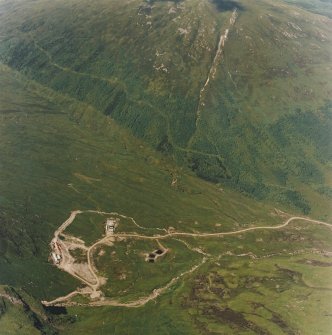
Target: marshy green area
(277, 295)
(99, 111)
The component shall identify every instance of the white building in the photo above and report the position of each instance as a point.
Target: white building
(110, 225)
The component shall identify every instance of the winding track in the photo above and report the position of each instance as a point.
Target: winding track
(226, 233)
(62, 301)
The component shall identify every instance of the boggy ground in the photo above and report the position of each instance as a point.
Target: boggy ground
(273, 295)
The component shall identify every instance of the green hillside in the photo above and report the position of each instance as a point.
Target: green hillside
(59, 155)
(262, 123)
(204, 126)
(20, 314)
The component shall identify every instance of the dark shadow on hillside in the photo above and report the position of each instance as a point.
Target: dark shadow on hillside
(55, 310)
(227, 5)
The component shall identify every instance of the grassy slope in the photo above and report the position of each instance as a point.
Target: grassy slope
(267, 101)
(20, 314)
(265, 127)
(47, 141)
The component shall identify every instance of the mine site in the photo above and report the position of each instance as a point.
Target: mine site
(64, 247)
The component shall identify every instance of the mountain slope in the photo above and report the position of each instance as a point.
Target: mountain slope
(59, 155)
(77, 81)
(253, 113)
